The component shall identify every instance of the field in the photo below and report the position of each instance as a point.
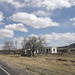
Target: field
(43, 64)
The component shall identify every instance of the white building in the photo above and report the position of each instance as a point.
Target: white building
(50, 50)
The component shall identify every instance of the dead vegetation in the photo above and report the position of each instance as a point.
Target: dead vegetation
(43, 64)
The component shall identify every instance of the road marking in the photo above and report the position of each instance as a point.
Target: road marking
(4, 70)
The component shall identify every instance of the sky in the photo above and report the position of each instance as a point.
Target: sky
(53, 20)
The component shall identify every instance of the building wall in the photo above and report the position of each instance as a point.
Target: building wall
(53, 49)
(72, 50)
(50, 49)
(66, 50)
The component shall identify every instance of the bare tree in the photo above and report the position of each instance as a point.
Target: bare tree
(8, 45)
(40, 44)
(33, 43)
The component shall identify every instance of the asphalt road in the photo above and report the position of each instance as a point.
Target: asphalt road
(2, 72)
(5, 70)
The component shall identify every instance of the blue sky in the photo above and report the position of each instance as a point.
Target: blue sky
(52, 19)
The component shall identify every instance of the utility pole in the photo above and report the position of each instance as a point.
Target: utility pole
(16, 44)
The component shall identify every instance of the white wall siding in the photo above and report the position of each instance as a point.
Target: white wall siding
(53, 49)
(50, 50)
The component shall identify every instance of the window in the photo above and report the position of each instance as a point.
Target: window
(49, 49)
(46, 50)
(53, 49)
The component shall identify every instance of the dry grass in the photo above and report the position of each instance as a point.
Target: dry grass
(43, 64)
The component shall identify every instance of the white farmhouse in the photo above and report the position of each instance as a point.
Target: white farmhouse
(50, 50)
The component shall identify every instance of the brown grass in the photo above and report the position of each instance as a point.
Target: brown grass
(43, 64)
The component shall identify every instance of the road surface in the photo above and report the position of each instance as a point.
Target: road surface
(5, 70)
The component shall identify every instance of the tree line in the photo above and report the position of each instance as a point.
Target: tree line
(33, 43)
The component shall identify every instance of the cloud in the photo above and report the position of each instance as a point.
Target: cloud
(33, 35)
(50, 4)
(4, 33)
(1, 16)
(73, 20)
(43, 4)
(33, 21)
(19, 39)
(16, 4)
(7, 31)
(41, 13)
(73, 24)
(1, 46)
(19, 42)
(17, 27)
(58, 39)
(53, 39)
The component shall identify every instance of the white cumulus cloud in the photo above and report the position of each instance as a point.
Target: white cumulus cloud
(32, 20)
(19, 42)
(73, 24)
(4, 33)
(1, 16)
(73, 20)
(50, 4)
(42, 13)
(58, 39)
(43, 4)
(17, 27)
(16, 4)
(1, 46)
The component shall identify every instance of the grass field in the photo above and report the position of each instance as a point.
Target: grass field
(43, 64)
